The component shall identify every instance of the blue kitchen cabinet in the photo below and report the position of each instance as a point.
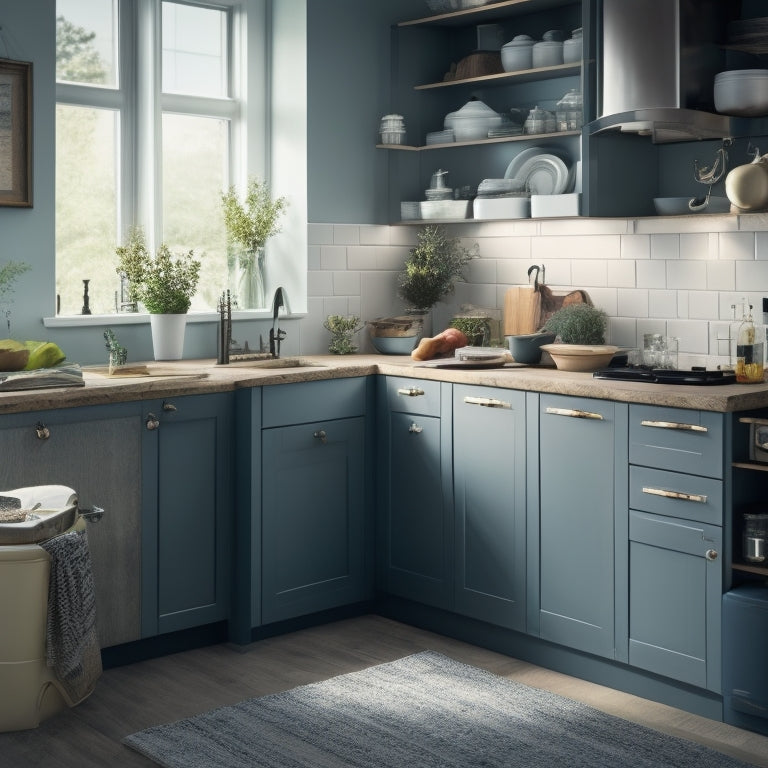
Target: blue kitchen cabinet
(187, 503)
(316, 523)
(414, 491)
(676, 501)
(582, 522)
(489, 480)
(96, 451)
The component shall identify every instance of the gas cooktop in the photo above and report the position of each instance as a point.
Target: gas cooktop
(667, 376)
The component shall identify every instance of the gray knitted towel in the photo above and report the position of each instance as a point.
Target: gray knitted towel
(72, 646)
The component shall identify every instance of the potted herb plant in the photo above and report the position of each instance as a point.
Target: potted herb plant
(165, 284)
(432, 268)
(578, 324)
(249, 225)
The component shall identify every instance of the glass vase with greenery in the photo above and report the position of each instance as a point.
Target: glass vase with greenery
(249, 224)
(431, 270)
(164, 283)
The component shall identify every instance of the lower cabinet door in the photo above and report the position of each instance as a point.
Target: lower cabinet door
(675, 586)
(313, 518)
(489, 466)
(417, 536)
(579, 453)
(186, 526)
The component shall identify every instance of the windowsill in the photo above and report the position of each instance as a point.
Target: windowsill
(139, 318)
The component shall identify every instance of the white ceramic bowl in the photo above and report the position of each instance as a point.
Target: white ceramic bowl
(580, 357)
(472, 121)
(742, 92)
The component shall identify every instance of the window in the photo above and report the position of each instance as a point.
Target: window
(146, 125)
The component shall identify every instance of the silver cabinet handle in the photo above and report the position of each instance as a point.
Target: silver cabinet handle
(574, 413)
(487, 402)
(410, 391)
(674, 425)
(711, 554)
(415, 428)
(697, 497)
(320, 435)
(152, 422)
(42, 432)
(168, 406)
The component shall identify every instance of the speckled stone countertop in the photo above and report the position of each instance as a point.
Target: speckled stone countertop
(190, 377)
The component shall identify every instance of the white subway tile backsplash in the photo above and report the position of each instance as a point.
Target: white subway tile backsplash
(333, 257)
(636, 247)
(665, 247)
(721, 275)
(346, 234)
(739, 246)
(674, 275)
(685, 275)
(346, 283)
(632, 302)
(621, 274)
(703, 305)
(662, 303)
(651, 274)
(694, 245)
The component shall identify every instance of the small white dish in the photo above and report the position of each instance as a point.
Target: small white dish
(580, 357)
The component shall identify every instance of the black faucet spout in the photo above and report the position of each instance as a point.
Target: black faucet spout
(275, 334)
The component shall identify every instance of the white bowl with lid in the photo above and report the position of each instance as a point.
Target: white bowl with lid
(472, 121)
(742, 92)
(547, 53)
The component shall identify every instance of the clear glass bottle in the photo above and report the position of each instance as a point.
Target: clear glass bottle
(750, 348)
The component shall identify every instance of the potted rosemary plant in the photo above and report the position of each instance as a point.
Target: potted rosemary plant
(249, 225)
(431, 270)
(165, 284)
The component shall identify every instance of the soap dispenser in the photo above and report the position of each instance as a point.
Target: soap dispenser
(750, 348)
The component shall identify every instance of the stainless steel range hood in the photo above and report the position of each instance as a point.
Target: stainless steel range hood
(659, 59)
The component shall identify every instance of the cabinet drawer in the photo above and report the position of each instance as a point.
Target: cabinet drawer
(676, 495)
(307, 401)
(676, 439)
(413, 396)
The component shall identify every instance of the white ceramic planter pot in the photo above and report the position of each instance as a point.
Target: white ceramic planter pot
(168, 336)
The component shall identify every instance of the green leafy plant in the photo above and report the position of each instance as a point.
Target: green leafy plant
(251, 223)
(432, 268)
(476, 329)
(578, 324)
(164, 283)
(9, 273)
(342, 329)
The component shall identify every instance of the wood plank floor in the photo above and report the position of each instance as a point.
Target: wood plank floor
(133, 697)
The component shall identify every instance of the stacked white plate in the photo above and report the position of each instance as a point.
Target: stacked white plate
(440, 137)
(542, 173)
(500, 186)
(742, 92)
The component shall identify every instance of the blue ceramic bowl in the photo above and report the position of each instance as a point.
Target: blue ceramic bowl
(526, 348)
(395, 345)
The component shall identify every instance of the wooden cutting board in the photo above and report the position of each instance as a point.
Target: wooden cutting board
(522, 310)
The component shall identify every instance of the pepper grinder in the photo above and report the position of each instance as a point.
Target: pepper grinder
(86, 308)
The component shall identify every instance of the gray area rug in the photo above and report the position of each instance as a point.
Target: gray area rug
(423, 711)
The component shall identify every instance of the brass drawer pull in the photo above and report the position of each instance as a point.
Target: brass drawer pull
(410, 391)
(574, 413)
(674, 425)
(698, 497)
(487, 402)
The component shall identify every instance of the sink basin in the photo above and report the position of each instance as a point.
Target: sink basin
(278, 362)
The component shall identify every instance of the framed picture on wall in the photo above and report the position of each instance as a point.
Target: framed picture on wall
(15, 133)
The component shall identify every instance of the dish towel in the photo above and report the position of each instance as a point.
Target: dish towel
(72, 646)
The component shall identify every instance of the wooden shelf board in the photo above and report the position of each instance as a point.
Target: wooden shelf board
(521, 75)
(750, 465)
(500, 140)
(488, 12)
(758, 569)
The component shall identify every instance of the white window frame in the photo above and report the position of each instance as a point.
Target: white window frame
(141, 104)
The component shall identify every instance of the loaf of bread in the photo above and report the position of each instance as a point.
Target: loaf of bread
(441, 345)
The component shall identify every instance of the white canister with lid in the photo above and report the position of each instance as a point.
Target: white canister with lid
(572, 48)
(547, 53)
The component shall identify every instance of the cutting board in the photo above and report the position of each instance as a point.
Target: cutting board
(522, 310)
